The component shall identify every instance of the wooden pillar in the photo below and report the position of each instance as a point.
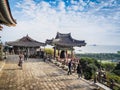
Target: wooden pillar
(58, 52)
(28, 51)
(54, 52)
(66, 56)
(18, 50)
(72, 54)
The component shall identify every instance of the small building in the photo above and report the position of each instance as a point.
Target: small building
(64, 42)
(25, 44)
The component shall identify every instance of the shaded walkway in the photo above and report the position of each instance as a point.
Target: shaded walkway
(38, 75)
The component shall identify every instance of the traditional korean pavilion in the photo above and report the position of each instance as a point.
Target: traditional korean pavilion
(64, 42)
(26, 44)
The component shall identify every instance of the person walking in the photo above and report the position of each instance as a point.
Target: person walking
(69, 67)
(21, 58)
(79, 71)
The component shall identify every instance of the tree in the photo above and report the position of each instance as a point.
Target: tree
(88, 67)
(108, 66)
(49, 51)
(117, 69)
(118, 52)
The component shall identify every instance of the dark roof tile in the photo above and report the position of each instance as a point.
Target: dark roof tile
(26, 42)
(65, 40)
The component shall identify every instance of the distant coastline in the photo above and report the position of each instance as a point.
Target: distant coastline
(98, 49)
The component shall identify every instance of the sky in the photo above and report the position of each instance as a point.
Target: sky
(95, 21)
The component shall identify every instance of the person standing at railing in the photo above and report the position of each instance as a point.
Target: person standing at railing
(79, 71)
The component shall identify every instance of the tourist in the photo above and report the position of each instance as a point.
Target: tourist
(69, 67)
(79, 71)
(21, 58)
(74, 65)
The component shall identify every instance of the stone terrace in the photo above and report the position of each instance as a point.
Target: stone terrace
(38, 75)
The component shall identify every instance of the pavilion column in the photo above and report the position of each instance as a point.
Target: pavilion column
(58, 54)
(72, 54)
(66, 55)
(28, 51)
(18, 50)
(54, 52)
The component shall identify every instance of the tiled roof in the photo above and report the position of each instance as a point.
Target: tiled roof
(5, 14)
(65, 40)
(26, 42)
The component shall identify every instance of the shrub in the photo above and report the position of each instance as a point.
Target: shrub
(89, 71)
(49, 51)
(116, 78)
(108, 66)
(93, 67)
(87, 75)
(85, 61)
(117, 69)
(117, 72)
(88, 67)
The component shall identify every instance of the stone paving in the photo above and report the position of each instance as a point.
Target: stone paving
(2, 63)
(38, 75)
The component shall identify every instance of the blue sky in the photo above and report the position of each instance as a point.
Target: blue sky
(95, 21)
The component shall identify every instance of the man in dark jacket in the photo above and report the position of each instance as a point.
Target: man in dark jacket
(69, 67)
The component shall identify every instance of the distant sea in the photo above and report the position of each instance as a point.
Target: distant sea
(98, 49)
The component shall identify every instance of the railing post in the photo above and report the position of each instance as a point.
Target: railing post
(95, 78)
(111, 84)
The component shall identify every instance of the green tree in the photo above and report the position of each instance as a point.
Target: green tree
(117, 69)
(49, 51)
(108, 66)
(88, 67)
(118, 52)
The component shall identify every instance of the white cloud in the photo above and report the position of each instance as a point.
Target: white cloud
(61, 5)
(41, 21)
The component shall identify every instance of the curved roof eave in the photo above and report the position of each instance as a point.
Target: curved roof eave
(5, 12)
(65, 40)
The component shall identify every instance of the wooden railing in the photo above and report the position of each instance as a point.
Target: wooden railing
(109, 83)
